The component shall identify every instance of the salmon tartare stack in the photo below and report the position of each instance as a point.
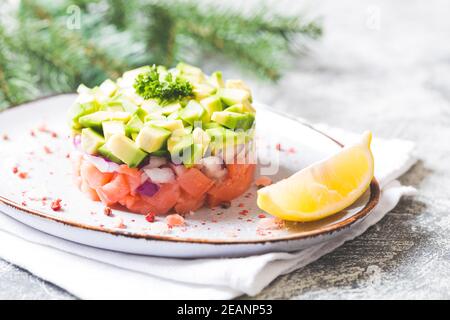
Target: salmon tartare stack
(162, 140)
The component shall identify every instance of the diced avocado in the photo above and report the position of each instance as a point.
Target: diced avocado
(78, 110)
(234, 120)
(201, 138)
(184, 150)
(211, 104)
(182, 132)
(222, 138)
(152, 138)
(112, 127)
(126, 150)
(238, 84)
(108, 88)
(187, 68)
(232, 96)
(171, 108)
(171, 125)
(128, 105)
(129, 76)
(151, 106)
(134, 125)
(82, 89)
(133, 109)
(217, 80)
(174, 116)
(241, 108)
(105, 152)
(176, 144)
(191, 73)
(188, 129)
(134, 135)
(114, 107)
(94, 120)
(211, 125)
(194, 112)
(216, 132)
(154, 116)
(91, 140)
(193, 155)
(160, 153)
(203, 90)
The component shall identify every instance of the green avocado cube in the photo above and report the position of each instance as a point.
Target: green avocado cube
(217, 80)
(151, 106)
(176, 144)
(203, 90)
(211, 125)
(187, 68)
(222, 139)
(170, 108)
(126, 150)
(152, 138)
(194, 112)
(95, 120)
(241, 108)
(234, 120)
(105, 152)
(154, 116)
(174, 115)
(214, 132)
(108, 88)
(77, 110)
(171, 125)
(160, 153)
(82, 89)
(134, 125)
(113, 108)
(232, 96)
(183, 149)
(202, 138)
(128, 105)
(193, 155)
(91, 140)
(112, 127)
(212, 104)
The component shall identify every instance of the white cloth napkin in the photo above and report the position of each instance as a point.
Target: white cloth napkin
(91, 273)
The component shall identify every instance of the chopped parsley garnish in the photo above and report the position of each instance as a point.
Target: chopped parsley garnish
(149, 85)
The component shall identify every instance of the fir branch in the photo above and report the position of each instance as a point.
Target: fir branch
(16, 83)
(258, 42)
(40, 55)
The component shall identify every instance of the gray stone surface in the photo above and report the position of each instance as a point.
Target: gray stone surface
(382, 65)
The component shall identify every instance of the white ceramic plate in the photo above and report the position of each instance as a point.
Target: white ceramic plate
(219, 232)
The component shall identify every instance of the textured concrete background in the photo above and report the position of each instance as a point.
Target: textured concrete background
(383, 65)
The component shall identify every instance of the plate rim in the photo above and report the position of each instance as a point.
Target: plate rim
(375, 192)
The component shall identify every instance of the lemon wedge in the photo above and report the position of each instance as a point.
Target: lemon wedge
(323, 188)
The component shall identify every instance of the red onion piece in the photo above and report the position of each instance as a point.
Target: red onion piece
(148, 188)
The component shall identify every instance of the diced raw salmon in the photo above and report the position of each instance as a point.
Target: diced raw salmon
(114, 191)
(187, 203)
(195, 183)
(137, 204)
(133, 177)
(238, 180)
(164, 200)
(93, 176)
(91, 193)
